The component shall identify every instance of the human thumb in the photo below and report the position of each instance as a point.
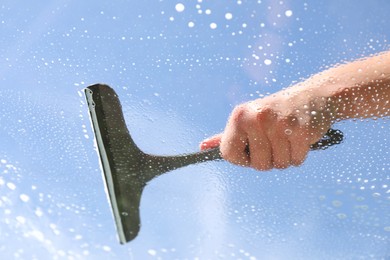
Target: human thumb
(211, 142)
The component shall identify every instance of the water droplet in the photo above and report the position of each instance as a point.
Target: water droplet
(288, 13)
(337, 203)
(228, 16)
(152, 252)
(11, 186)
(267, 62)
(360, 198)
(341, 215)
(191, 24)
(107, 248)
(125, 213)
(363, 207)
(21, 220)
(24, 197)
(213, 25)
(179, 7)
(288, 131)
(38, 212)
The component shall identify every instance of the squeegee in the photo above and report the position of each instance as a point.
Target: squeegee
(126, 169)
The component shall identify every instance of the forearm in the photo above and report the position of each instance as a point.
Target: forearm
(360, 89)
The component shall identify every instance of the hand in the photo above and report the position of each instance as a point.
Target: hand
(277, 129)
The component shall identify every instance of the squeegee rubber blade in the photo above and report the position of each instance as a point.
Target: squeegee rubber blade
(119, 157)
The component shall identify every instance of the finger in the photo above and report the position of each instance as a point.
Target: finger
(234, 139)
(233, 149)
(299, 148)
(280, 143)
(233, 146)
(211, 142)
(260, 150)
(281, 150)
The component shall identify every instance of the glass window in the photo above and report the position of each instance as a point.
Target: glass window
(179, 68)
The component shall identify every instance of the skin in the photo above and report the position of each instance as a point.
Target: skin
(280, 128)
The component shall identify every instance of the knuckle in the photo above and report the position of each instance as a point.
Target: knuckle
(226, 151)
(281, 165)
(233, 156)
(264, 113)
(239, 112)
(297, 162)
(261, 166)
(298, 159)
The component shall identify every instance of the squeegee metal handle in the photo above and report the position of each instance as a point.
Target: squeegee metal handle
(330, 138)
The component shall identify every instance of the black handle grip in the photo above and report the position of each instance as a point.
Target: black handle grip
(330, 138)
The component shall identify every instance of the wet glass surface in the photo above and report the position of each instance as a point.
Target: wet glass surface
(179, 68)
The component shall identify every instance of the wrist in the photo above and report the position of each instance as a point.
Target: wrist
(335, 92)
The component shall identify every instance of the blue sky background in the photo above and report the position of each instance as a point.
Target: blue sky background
(179, 73)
